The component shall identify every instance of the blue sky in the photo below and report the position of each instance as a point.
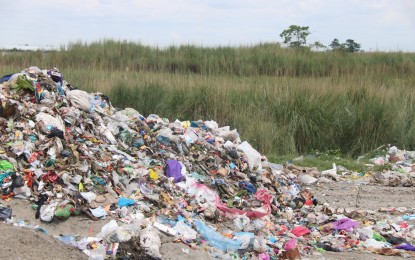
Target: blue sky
(384, 25)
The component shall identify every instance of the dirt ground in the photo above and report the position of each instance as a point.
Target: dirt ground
(23, 243)
(345, 194)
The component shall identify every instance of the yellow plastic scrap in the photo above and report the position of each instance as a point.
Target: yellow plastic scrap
(95, 140)
(153, 174)
(186, 124)
(81, 187)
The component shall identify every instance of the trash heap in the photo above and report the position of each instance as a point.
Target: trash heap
(71, 152)
(399, 165)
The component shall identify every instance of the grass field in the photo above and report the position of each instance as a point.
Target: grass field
(282, 101)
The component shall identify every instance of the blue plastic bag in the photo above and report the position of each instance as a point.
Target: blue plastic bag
(247, 186)
(124, 202)
(215, 239)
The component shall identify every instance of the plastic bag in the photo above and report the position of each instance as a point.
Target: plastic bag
(247, 239)
(123, 202)
(184, 230)
(51, 121)
(263, 256)
(216, 239)
(407, 247)
(375, 244)
(252, 155)
(98, 212)
(153, 174)
(260, 245)
(88, 196)
(64, 211)
(174, 169)
(241, 222)
(47, 211)
(202, 191)
(300, 231)
(5, 165)
(150, 241)
(124, 233)
(211, 124)
(83, 100)
(5, 213)
(258, 213)
(247, 186)
(105, 132)
(345, 224)
(109, 228)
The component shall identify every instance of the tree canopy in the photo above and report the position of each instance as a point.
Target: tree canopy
(295, 36)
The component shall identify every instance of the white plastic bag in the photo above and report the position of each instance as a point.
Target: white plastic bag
(47, 211)
(109, 228)
(124, 234)
(98, 212)
(49, 120)
(211, 124)
(241, 222)
(252, 155)
(89, 196)
(150, 241)
(184, 230)
(83, 100)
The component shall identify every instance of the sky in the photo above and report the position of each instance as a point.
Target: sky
(378, 25)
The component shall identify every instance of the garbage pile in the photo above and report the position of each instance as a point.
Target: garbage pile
(71, 153)
(400, 168)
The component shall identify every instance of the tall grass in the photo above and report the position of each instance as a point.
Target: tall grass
(282, 101)
(265, 59)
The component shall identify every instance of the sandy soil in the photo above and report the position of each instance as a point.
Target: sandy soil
(373, 197)
(21, 243)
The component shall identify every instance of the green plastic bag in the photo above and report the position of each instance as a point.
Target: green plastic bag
(65, 212)
(378, 237)
(5, 165)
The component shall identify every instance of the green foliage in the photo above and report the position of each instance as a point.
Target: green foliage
(349, 46)
(335, 44)
(318, 45)
(295, 36)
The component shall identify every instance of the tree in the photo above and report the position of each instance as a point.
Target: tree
(295, 36)
(318, 45)
(351, 46)
(335, 44)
